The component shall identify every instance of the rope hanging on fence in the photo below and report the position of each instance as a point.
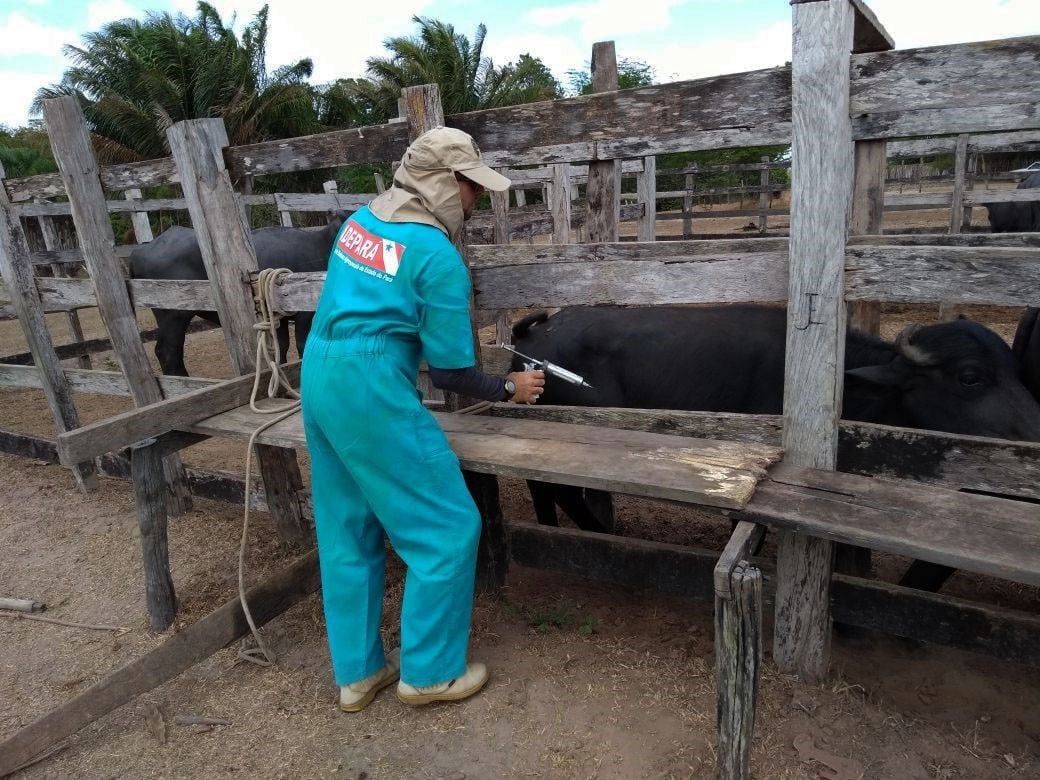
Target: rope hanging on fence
(268, 356)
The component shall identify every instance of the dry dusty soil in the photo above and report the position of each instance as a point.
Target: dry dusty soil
(587, 681)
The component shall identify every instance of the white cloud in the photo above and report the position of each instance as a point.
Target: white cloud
(19, 91)
(605, 19)
(20, 35)
(560, 53)
(939, 22)
(765, 47)
(104, 11)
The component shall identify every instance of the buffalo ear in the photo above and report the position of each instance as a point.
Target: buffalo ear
(884, 376)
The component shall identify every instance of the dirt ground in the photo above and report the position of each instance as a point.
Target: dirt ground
(588, 681)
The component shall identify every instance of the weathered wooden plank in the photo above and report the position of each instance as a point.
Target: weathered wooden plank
(149, 491)
(868, 200)
(646, 195)
(17, 271)
(142, 227)
(645, 464)
(822, 173)
(948, 460)
(560, 204)
(501, 232)
(147, 173)
(933, 274)
(155, 419)
(73, 152)
(700, 114)
(377, 143)
(50, 241)
(1024, 140)
(976, 533)
(113, 206)
(979, 197)
(932, 121)
(604, 182)
(977, 74)
(99, 382)
(738, 658)
(316, 201)
(760, 277)
(960, 170)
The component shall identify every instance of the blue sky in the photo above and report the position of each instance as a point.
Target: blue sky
(680, 38)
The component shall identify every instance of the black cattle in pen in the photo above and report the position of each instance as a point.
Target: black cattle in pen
(957, 376)
(175, 254)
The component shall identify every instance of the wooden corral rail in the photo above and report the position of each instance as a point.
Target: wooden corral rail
(823, 104)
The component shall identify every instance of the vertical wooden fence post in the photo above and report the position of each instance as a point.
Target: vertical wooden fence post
(687, 206)
(960, 172)
(146, 473)
(17, 272)
(763, 196)
(646, 192)
(969, 184)
(218, 216)
(50, 241)
(142, 227)
(284, 215)
(561, 203)
(423, 110)
(603, 191)
(70, 142)
(821, 194)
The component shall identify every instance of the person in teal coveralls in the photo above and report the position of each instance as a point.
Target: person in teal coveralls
(398, 292)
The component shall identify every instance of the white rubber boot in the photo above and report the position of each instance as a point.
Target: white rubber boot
(463, 687)
(358, 695)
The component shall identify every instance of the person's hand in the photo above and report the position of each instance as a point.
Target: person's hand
(529, 385)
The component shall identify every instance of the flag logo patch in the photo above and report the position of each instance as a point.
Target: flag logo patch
(367, 252)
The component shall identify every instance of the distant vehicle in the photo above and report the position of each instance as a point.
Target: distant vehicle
(1031, 168)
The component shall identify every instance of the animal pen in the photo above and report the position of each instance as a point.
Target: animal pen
(946, 499)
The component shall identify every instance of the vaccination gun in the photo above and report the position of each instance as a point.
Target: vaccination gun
(536, 364)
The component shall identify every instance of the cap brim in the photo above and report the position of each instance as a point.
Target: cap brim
(487, 178)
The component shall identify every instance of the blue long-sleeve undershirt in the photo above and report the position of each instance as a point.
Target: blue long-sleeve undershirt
(470, 382)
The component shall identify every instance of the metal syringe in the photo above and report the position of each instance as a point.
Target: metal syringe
(550, 368)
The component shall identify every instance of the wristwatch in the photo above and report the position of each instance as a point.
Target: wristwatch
(510, 388)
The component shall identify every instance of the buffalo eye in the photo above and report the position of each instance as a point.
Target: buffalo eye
(970, 377)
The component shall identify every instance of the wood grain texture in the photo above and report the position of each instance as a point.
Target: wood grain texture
(136, 425)
(98, 382)
(738, 659)
(50, 241)
(114, 178)
(934, 274)
(150, 497)
(1023, 140)
(960, 170)
(142, 227)
(646, 195)
(74, 154)
(711, 473)
(603, 191)
(986, 535)
(378, 143)
(17, 272)
(822, 173)
(560, 204)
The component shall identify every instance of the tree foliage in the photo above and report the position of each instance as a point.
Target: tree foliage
(631, 73)
(25, 151)
(468, 79)
(136, 78)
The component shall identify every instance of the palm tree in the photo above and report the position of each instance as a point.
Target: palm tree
(468, 80)
(136, 78)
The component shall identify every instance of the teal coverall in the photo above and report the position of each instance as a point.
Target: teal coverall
(395, 293)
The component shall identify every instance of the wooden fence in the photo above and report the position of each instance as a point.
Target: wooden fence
(836, 110)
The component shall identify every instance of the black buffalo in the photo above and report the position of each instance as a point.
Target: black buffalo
(1017, 217)
(175, 255)
(954, 376)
